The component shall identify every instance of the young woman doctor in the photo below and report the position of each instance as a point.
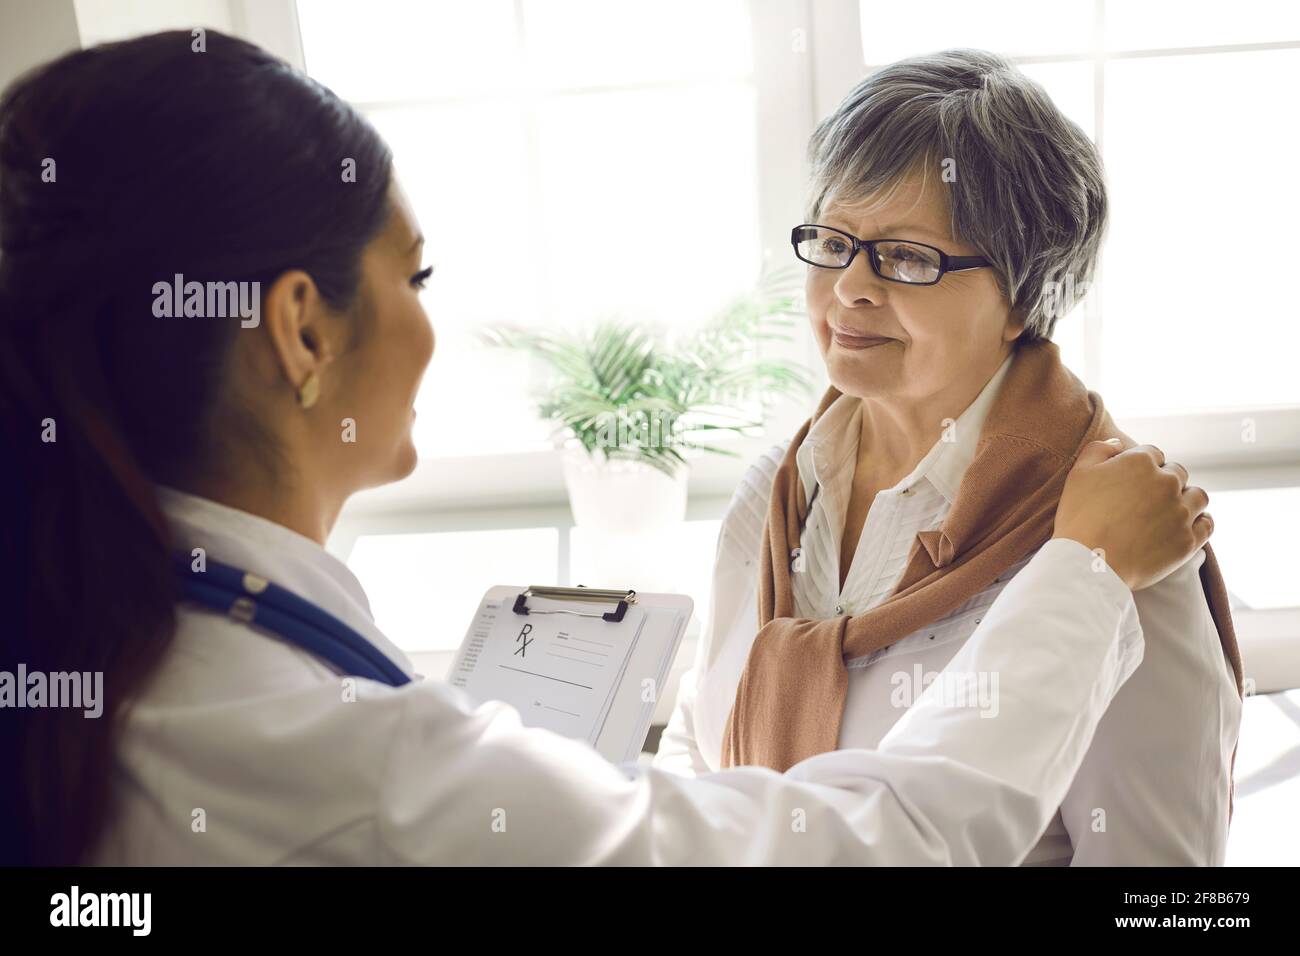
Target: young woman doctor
(136, 436)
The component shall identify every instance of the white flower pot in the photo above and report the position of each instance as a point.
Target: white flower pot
(628, 516)
(627, 495)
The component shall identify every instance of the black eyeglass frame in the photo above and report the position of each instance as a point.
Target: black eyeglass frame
(947, 263)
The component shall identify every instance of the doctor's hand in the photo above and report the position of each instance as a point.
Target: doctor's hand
(1136, 508)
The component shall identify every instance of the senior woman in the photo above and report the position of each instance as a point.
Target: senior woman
(950, 198)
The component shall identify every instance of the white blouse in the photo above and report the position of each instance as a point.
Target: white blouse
(1154, 787)
(917, 503)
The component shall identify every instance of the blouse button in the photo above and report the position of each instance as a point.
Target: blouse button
(839, 609)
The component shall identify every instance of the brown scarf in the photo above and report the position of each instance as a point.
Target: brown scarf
(790, 700)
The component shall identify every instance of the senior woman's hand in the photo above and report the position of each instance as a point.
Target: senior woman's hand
(1134, 507)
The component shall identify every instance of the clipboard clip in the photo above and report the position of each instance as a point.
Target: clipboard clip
(624, 598)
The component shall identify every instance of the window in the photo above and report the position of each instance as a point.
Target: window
(1187, 102)
(415, 580)
(555, 153)
(1245, 520)
(1190, 177)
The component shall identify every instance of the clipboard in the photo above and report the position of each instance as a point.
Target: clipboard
(589, 663)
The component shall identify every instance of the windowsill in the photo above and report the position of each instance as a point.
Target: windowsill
(532, 480)
(1219, 438)
(1210, 444)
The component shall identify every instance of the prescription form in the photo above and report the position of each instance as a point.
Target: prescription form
(567, 672)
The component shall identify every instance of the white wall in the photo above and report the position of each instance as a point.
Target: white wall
(32, 32)
(104, 20)
(272, 24)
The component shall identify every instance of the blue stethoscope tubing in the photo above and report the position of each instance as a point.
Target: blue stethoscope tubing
(294, 619)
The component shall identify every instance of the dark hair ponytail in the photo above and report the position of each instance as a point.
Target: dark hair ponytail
(223, 165)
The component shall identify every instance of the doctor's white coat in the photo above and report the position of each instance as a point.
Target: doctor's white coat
(243, 749)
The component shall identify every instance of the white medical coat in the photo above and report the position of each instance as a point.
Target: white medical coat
(244, 749)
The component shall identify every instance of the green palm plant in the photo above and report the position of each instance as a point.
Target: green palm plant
(629, 393)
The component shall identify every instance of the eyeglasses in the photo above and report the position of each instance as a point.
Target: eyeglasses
(898, 260)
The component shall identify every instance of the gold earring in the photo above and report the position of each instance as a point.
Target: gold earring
(309, 391)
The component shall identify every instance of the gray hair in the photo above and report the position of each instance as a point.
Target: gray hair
(1028, 192)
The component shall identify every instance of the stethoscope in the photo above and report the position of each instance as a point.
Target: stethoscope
(254, 600)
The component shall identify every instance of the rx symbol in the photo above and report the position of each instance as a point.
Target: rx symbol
(523, 636)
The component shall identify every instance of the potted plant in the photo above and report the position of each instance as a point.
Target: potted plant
(635, 405)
